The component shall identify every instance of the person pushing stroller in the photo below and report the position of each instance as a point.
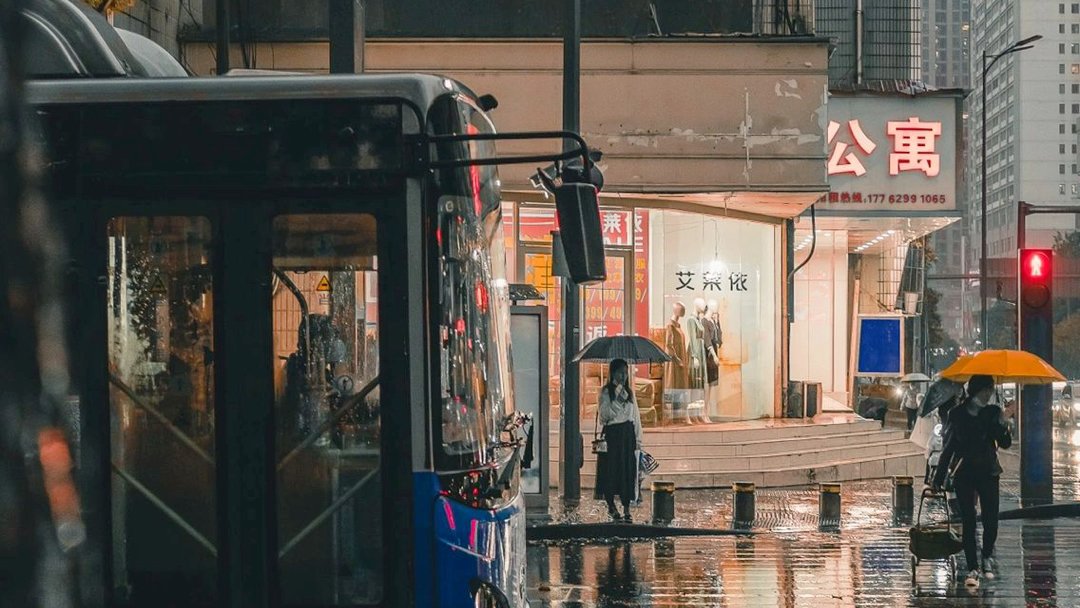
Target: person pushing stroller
(973, 433)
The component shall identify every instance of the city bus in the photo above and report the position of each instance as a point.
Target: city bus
(290, 324)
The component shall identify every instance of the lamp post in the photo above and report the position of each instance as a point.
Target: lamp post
(987, 62)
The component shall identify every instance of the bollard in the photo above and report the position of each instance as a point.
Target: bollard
(829, 506)
(663, 502)
(744, 514)
(903, 499)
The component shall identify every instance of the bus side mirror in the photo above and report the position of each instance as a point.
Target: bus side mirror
(582, 239)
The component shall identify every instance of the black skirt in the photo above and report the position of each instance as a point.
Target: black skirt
(616, 469)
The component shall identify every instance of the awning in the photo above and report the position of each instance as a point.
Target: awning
(770, 207)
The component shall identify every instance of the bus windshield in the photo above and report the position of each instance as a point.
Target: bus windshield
(474, 328)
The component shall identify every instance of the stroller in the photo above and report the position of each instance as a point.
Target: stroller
(935, 541)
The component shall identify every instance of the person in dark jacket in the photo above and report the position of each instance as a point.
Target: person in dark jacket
(973, 433)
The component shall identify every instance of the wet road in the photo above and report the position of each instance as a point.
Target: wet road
(1039, 561)
(791, 564)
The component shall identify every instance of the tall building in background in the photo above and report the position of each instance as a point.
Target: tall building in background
(885, 47)
(946, 63)
(946, 57)
(1033, 105)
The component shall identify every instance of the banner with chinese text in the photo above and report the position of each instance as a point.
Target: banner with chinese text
(893, 153)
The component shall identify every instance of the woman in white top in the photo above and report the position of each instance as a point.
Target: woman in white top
(616, 469)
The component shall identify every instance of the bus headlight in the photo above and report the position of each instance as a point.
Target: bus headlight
(486, 595)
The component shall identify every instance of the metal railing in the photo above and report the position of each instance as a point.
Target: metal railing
(784, 17)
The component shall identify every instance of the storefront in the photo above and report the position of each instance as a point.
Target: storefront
(894, 178)
(660, 263)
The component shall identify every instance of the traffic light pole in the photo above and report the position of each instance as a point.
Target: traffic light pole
(1036, 327)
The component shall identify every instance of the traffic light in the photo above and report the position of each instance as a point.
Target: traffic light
(1035, 304)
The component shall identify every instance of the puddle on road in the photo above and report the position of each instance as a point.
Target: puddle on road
(861, 568)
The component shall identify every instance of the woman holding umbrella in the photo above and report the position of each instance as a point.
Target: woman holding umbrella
(616, 469)
(618, 415)
(973, 433)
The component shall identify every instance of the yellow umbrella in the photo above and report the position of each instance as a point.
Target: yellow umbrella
(1005, 366)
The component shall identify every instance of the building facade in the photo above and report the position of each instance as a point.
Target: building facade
(946, 57)
(710, 144)
(1033, 106)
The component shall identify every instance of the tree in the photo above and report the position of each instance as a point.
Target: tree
(1066, 354)
(1067, 244)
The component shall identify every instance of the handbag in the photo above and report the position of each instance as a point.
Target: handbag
(647, 463)
(599, 444)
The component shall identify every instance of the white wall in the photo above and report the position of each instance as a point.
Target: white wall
(819, 332)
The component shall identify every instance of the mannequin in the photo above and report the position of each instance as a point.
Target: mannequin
(713, 341)
(697, 356)
(675, 345)
(675, 371)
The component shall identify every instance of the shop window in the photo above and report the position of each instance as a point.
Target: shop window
(655, 259)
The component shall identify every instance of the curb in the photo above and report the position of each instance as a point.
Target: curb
(1065, 509)
(621, 531)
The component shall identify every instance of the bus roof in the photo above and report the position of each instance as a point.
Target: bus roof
(419, 89)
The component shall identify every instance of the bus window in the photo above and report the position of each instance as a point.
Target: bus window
(329, 493)
(161, 372)
(474, 300)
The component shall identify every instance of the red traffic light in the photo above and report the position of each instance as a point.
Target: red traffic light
(1036, 278)
(1035, 265)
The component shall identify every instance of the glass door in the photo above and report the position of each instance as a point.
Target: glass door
(251, 459)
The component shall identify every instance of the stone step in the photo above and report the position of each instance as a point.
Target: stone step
(719, 435)
(779, 461)
(768, 447)
(852, 469)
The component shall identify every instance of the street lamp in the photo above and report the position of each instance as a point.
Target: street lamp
(987, 62)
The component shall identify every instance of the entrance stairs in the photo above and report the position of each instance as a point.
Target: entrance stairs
(769, 453)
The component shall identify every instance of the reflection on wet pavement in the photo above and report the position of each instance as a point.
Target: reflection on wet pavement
(865, 504)
(1039, 562)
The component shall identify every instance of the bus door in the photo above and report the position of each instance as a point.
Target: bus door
(252, 456)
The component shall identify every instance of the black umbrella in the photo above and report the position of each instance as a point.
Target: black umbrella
(939, 393)
(632, 349)
(873, 408)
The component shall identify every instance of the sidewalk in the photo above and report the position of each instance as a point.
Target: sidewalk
(864, 504)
